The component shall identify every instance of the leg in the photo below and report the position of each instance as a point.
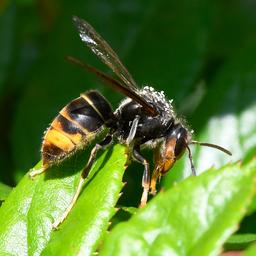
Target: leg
(158, 159)
(84, 175)
(146, 175)
(35, 172)
(133, 130)
(155, 176)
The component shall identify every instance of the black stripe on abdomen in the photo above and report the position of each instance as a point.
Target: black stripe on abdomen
(51, 153)
(84, 114)
(68, 126)
(99, 103)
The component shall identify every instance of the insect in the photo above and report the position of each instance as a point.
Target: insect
(144, 118)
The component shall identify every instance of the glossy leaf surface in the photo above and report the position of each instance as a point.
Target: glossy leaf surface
(27, 216)
(193, 218)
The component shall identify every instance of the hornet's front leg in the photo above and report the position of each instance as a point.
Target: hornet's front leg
(135, 150)
(133, 130)
(146, 175)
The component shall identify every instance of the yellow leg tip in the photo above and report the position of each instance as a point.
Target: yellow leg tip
(153, 191)
(57, 222)
(35, 172)
(144, 198)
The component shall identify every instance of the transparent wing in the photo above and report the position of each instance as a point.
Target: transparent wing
(100, 47)
(115, 84)
(104, 52)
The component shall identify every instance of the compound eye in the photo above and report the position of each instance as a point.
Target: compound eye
(181, 136)
(174, 148)
(180, 146)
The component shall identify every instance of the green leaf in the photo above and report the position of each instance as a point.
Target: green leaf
(28, 213)
(131, 210)
(252, 207)
(13, 221)
(239, 241)
(193, 218)
(4, 191)
(251, 251)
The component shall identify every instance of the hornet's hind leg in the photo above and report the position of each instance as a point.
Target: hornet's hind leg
(84, 174)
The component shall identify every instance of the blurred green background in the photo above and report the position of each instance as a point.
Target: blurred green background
(202, 53)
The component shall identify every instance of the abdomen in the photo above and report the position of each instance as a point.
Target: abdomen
(76, 125)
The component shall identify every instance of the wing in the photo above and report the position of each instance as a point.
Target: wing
(100, 47)
(104, 52)
(115, 84)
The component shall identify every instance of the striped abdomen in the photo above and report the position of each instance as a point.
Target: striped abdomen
(75, 126)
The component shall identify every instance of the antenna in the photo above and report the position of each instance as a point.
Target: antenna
(206, 145)
(191, 161)
(211, 146)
